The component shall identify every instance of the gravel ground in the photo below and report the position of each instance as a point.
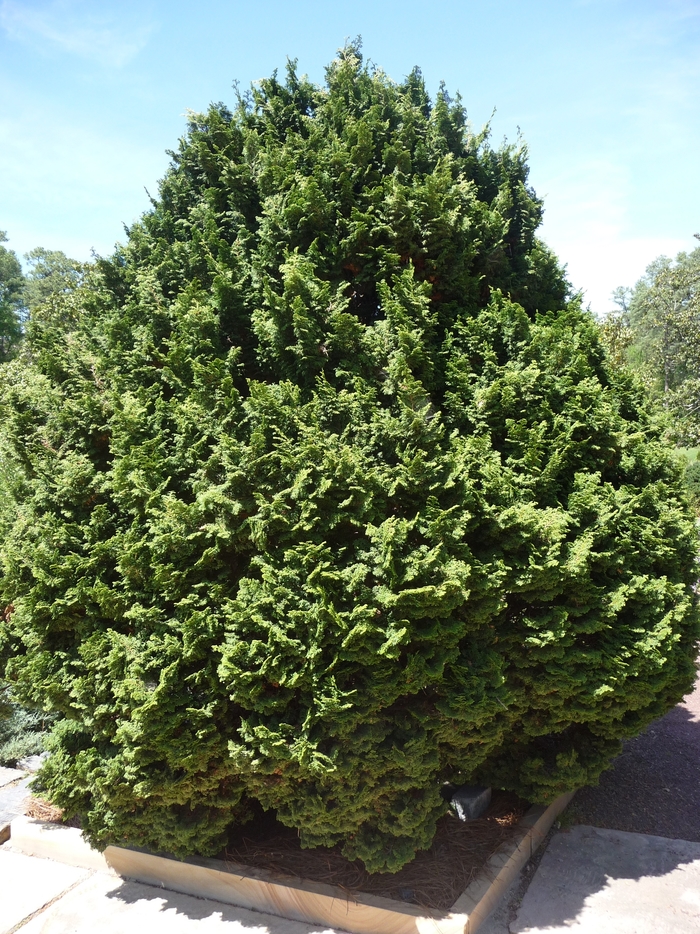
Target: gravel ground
(654, 786)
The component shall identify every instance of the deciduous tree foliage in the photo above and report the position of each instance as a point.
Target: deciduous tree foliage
(664, 326)
(327, 493)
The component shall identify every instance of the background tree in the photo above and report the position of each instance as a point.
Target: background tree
(615, 331)
(662, 317)
(329, 492)
(49, 277)
(50, 274)
(22, 731)
(50, 280)
(11, 300)
(26, 300)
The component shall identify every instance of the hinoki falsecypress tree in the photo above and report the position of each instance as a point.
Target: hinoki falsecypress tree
(322, 491)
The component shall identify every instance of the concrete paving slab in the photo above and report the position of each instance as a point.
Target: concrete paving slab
(594, 881)
(112, 906)
(13, 798)
(27, 884)
(53, 841)
(33, 763)
(7, 776)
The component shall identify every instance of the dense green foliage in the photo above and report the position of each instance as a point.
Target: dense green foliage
(11, 305)
(692, 482)
(322, 491)
(41, 293)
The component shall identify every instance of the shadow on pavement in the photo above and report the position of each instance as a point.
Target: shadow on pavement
(609, 881)
(202, 909)
(633, 861)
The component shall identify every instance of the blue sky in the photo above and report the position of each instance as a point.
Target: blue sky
(605, 92)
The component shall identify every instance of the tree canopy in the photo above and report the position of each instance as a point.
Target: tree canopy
(657, 327)
(325, 492)
(38, 293)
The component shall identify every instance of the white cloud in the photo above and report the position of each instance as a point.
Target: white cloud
(588, 224)
(599, 265)
(75, 28)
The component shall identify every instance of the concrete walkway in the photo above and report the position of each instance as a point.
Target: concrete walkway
(13, 793)
(39, 896)
(594, 881)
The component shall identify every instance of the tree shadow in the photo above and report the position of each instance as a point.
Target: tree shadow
(614, 878)
(194, 908)
(646, 825)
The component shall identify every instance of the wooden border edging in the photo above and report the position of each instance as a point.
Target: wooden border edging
(289, 897)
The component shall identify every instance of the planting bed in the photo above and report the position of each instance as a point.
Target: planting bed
(289, 896)
(433, 880)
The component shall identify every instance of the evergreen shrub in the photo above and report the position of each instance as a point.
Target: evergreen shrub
(321, 491)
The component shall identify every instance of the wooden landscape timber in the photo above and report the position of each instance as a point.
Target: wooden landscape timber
(293, 898)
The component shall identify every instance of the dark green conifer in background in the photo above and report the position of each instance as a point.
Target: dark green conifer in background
(323, 491)
(12, 286)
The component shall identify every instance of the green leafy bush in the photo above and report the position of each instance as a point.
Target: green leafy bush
(322, 491)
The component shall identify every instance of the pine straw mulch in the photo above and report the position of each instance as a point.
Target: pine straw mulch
(42, 810)
(434, 879)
